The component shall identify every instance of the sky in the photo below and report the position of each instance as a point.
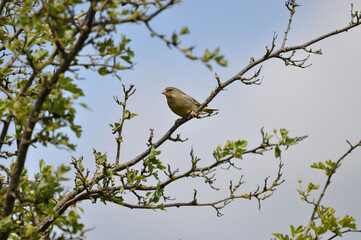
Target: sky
(321, 101)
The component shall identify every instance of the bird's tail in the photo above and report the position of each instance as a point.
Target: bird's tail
(210, 110)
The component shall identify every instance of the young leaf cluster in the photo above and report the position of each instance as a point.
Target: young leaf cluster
(323, 221)
(36, 198)
(233, 148)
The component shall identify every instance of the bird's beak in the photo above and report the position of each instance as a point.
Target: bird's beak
(164, 92)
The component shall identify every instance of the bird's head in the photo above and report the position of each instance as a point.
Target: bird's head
(171, 91)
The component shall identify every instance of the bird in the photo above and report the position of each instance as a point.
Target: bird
(182, 104)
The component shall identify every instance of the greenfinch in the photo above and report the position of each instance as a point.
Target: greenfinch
(182, 104)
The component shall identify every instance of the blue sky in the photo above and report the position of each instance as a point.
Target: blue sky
(321, 101)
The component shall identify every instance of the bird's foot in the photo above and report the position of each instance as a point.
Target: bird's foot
(193, 114)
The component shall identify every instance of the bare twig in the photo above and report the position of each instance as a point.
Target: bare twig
(291, 5)
(127, 93)
(346, 231)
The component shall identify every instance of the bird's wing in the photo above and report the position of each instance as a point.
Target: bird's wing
(196, 102)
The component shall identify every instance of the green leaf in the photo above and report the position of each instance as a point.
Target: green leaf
(41, 164)
(293, 232)
(128, 115)
(39, 55)
(277, 151)
(312, 187)
(240, 148)
(175, 39)
(103, 71)
(161, 207)
(184, 30)
(127, 59)
(348, 222)
(207, 55)
(153, 153)
(329, 168)
(118, 200)
(221, 61)
(84, 105)
(63, 169)
(209, 66)
(318, 165)
(6, 223)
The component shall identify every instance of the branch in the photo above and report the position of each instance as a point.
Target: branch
(260, 194)
(163, 7)
(346, 231)
(173, 43)
(2, 5)
(207, 173)
(16, 34)
(291, 5)
(32, 119)
(136, 16)
(137, 4)
(277, 54)
(328, 181)
(5, 129)
(127, 93)
(11, 61)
